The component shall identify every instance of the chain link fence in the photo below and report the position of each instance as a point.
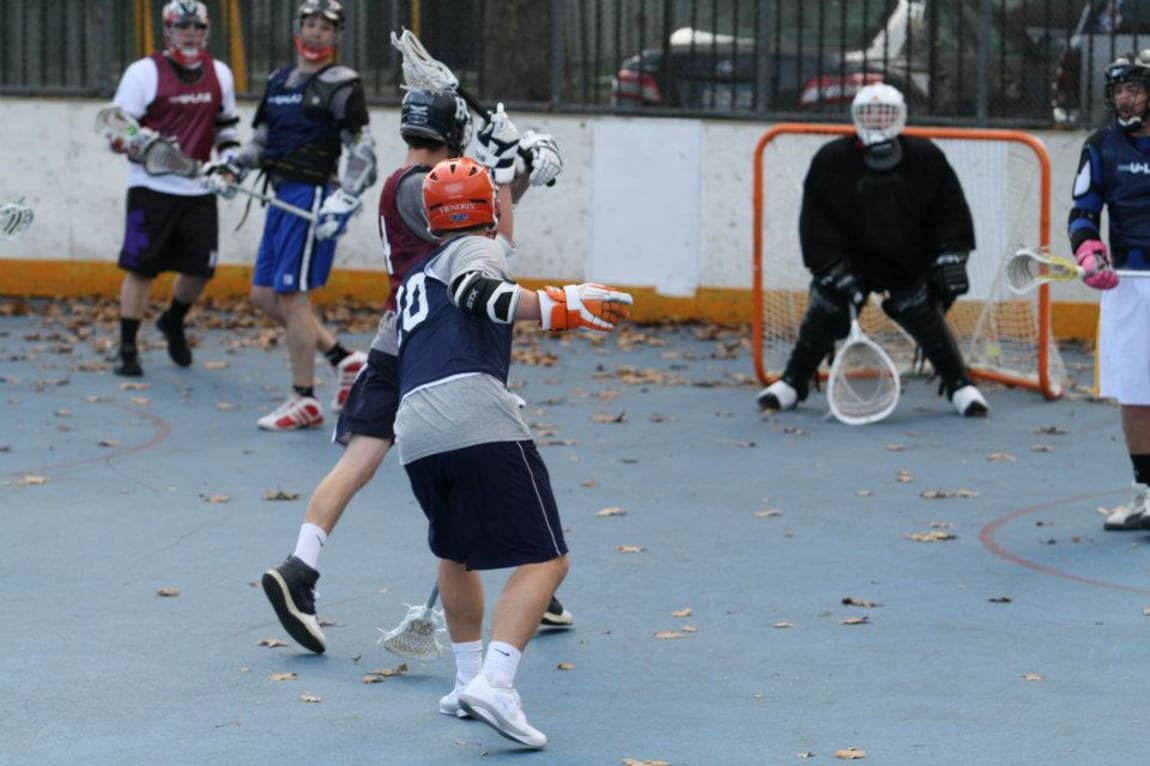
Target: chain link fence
(1020, 63)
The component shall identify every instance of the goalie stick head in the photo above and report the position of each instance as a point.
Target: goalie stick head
(1131, 68)
(186, 25)
(441, 117)
(306, 45)
(458, 195)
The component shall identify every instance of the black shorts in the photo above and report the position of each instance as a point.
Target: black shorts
(170, 232)
(489, 506)
(372, 402)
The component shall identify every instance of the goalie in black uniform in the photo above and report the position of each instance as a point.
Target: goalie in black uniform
(882, 213)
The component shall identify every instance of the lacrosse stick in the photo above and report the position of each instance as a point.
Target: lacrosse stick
(416, 637)
(422, 72)
(863, 386)
(15, 218)
(161, 157)
(1027, 269)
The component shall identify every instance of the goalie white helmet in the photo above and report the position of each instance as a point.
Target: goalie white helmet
(186, 25)
(879, 113)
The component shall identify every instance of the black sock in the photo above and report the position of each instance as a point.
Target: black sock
(1141, 468)
(304, 390)
(336, 354)
(129, 328)
(178, 310)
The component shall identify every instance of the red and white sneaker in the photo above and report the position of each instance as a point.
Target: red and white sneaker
(346, 372)
(297, 412)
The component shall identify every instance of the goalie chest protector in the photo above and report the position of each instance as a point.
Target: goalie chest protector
(186, 111)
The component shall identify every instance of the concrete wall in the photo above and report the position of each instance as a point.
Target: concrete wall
(643, 203)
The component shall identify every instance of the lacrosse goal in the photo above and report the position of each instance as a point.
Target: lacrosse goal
(1005, 174)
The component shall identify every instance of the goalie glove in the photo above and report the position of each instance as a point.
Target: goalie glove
(589, 305)
(1094, 259)
(948, 277)
(336, 210)
(497, 144)
(543, 160)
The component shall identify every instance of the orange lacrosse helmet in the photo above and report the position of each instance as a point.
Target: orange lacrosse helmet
(458, 194)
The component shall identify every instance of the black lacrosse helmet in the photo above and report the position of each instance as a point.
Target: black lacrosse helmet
(1133, 67)
(441, 117)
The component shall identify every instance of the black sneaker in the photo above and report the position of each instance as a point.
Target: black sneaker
(291, 589)
(556, 616)
(177, 342)
(128, 363)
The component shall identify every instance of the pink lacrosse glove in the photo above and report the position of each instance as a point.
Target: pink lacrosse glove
(1092, 257)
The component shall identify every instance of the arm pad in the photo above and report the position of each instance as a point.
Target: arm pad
(484, 296)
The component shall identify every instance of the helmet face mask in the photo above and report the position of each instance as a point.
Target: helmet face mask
(1131, 69)
(458, 194)
(179, 16)
(442, 117)
(879, 114)
(328, 10)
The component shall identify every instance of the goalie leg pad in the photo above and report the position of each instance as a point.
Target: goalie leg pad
(918, 314)
(827, 320)
(484, 296)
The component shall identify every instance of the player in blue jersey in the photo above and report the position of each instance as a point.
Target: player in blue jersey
(310, 113)
(184, 95)
(1114, 173)
(468, 452)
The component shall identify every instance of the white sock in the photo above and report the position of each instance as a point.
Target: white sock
(309, 544)
(501, 664)
(468, 660)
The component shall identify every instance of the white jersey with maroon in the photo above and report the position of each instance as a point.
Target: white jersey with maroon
(187, 113)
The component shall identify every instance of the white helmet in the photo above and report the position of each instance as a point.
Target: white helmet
(879, 113)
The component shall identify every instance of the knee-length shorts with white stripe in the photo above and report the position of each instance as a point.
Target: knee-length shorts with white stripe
(1124, 342)
(489, 506)
(290, 258)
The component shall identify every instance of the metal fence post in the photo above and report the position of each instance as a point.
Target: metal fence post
(982, 68)
(558, 55)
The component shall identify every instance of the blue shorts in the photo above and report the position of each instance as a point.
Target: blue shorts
(290, 258)
(489, 506)
(372, 402)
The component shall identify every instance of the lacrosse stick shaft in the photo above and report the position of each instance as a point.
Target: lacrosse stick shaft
(307, 215)
(434, 595)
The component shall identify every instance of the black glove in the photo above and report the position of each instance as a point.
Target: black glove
(839, 281)
(948, 277)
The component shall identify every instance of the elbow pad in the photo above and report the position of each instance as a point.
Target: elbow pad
(483, 296)
(360, 172)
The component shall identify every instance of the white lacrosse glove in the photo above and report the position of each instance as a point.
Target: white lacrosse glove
(336, 210)
(134, 145)
(221, 177)
(497, 145)
(543, 160)
(590, 305)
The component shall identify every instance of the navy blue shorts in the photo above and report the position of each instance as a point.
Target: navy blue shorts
(372, 402)
(489, 506)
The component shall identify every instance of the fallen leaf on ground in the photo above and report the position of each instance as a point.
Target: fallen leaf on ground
(1000, 599)
(565, 666)
(283, 677)
(135, 386)
(630, 549)
(168, 592)
(1000, 457)
(939, 494)
(855, 621)
(271, 643)
(904, 477)
(217, 498)
(32, 480)
(309, 698)
(633, 762)
(934, 536)
(279, 494)
(610, 511)
(665, 635)
(216, 365)
(850, 754)
(620, 418)
(768, 513)
(108, 443)
(851, 601)
(1032, 677)
(784, 624)
(684, 612)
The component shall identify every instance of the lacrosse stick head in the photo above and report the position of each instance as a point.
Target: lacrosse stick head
(417, 637)
(15, 218)
(864, 386)
(186, 26)
(162, 157)
(440, 117)
(420, 70)
(1027, 269)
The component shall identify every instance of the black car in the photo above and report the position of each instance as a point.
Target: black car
(820, 53)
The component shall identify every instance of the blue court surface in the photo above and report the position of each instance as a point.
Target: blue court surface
(747, 588)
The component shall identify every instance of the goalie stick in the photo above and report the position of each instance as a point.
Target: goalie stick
(863, 386)
(161, 157)
(1027, 269)
(423, 72)
(15, 218)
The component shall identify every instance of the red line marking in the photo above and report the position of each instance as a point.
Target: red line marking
(986, 536)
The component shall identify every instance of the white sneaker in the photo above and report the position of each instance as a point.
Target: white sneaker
(1133, 516)
(346, 372)
(500, 709)
(449, 703)
(969, 402)
(297, 412)
(778, 396)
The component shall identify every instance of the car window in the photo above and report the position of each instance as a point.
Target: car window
(1121, 17)
(854, 21)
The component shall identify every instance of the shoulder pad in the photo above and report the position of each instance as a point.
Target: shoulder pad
(1097, 136)
(338, 74)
